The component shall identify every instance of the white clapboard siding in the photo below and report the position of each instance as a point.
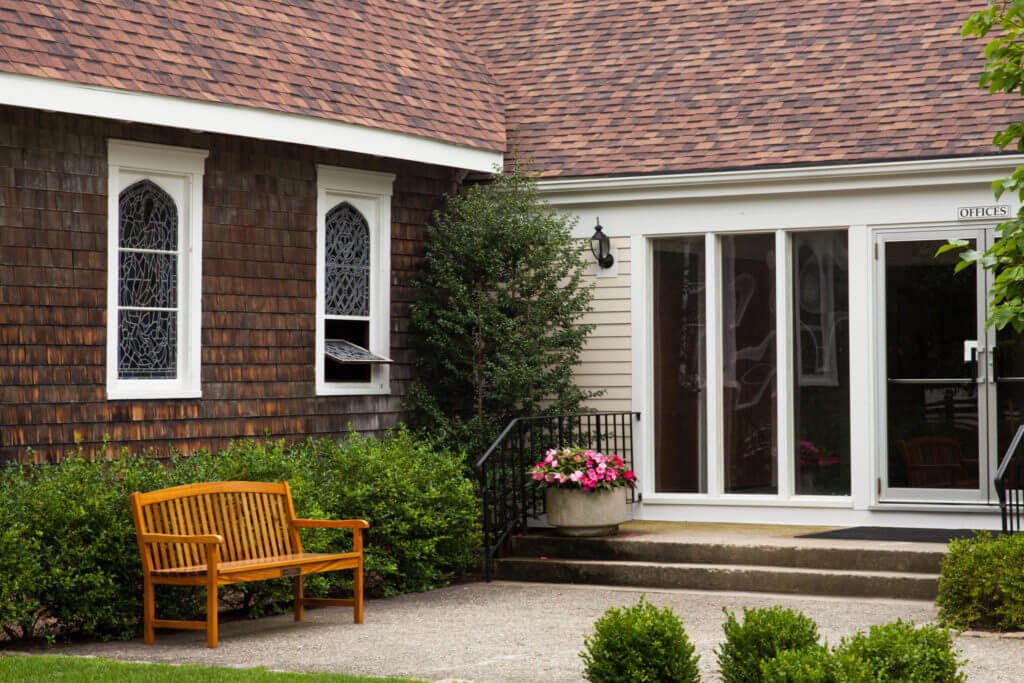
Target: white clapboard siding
(606, 359)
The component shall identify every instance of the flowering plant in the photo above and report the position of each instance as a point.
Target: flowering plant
(575, 468)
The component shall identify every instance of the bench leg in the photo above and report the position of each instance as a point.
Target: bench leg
(211, 614)
(299, 609)
(357, 592)
(148, 611)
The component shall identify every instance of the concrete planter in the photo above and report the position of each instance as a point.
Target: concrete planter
(576, 512)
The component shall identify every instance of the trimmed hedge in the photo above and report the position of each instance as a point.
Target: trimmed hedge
(69, 563)
(778, 645)
(640, 643)
(981, 583)
(900, 652)
(763, 635)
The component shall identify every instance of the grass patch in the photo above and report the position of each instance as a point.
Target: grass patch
(87, 670)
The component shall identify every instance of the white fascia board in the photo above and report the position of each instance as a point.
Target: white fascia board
(795, 180)
(161, 110)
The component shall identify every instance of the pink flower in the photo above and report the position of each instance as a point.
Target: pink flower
(610, 475)
(537, 475)
(629, 476)
(560, 477)
(576, 476)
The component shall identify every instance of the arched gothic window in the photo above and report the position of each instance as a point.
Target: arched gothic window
(353, 289)
(347, 248)
(147, 294)
(154, 270)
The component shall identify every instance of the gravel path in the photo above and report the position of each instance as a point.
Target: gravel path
(506, 631)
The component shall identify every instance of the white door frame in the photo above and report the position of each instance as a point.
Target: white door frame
(981, 233)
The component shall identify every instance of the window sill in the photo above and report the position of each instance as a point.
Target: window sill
(151, 394)
(353, 389)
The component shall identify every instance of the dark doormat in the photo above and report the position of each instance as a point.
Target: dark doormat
(886, 533)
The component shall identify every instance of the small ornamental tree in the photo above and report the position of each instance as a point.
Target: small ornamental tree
(497, 313)
(1003, 72)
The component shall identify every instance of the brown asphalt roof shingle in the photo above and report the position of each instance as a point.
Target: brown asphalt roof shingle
(619, 87)
(390, 64)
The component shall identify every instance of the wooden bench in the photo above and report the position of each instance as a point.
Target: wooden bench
(222, 533)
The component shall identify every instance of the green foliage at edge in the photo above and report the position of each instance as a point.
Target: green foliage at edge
(1002, 22)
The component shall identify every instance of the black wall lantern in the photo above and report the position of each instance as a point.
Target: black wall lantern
(602, 247)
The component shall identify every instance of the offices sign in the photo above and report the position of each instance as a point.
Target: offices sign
(971, 213)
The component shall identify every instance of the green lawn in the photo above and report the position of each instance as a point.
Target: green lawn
(88, 670)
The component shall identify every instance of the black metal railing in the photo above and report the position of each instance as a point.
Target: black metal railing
(1009, 484)
(509, 496)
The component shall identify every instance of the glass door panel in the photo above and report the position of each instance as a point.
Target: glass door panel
(749, 364)
(821, 371)
(933, 407)
(680, 449)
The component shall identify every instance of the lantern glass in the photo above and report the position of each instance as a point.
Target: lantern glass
(600, 246)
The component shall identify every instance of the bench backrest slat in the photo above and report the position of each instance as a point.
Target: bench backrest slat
(254, 519)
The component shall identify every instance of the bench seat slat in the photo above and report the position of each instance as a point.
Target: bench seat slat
(278, 562)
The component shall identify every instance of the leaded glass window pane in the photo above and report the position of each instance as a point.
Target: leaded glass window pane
(148, 280)
(148, 218)
(348, 262)
(147, 260)
(147, 344)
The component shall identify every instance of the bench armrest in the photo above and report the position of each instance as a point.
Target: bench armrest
(331, 523)
(194, 539)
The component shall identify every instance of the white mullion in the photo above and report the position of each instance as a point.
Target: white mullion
(785, 469)
(174, 309)
(174, 252)
(713, 351)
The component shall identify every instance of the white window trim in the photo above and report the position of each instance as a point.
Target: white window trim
(336, 185)
(188, 165)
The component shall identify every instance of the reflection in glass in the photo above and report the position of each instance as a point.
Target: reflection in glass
(932, 397)
(749, 368)
(680, 461)
(1009, 375)
(822, 362)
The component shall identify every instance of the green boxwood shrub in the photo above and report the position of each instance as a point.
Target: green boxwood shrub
(640, 643)
(900, 652)
(981, 583)
(69, 560)
(68, 547)
(763, 635)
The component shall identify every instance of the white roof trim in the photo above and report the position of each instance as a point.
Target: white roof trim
(790, 180)
(88, 100)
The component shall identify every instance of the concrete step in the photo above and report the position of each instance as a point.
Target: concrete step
(722, 577)
(794, 553)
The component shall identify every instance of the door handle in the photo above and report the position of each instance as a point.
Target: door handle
(971, 357)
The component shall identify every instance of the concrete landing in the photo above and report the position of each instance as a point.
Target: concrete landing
(729, 557)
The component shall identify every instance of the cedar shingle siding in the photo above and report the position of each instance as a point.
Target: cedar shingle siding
(258, 318)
